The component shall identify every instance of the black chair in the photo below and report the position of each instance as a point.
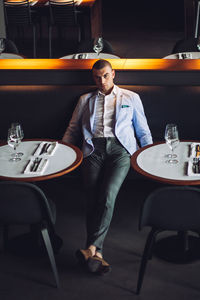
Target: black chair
(186, 45)
(64, 16)
(20, 16)
(10, 47)
(168, 208)
(87, 46)
(24, 203)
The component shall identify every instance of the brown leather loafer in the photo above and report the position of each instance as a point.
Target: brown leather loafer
(83, 255)
(98, 265)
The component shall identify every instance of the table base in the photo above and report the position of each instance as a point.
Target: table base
(171, 249)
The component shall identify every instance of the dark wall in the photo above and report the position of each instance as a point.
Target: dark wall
(45, 111)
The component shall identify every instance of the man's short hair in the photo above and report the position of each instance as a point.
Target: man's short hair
(101, 63)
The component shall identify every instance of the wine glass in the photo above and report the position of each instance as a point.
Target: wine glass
(198, 43)
(19, 133)
(2, 45)
(13, 141)
(172, 140)
(98, 45)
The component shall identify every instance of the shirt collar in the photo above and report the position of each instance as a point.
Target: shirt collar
(113, 92)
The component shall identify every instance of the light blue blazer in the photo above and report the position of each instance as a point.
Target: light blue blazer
(130, 121)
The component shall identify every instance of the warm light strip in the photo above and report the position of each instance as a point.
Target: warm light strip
(118, 64)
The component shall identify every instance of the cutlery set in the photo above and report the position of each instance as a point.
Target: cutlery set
(36, 164)
(45, 148)
(196, 165)
(37, 161)
(196, 160)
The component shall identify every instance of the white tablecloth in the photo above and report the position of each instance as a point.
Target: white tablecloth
(10, 56)
(189, 55)
(90, 55)
(63, 158)
(153, 161)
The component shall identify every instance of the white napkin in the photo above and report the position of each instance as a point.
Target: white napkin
(40, 169)
(193, 149)
(50, 151)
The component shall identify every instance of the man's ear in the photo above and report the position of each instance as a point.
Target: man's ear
(113, 73)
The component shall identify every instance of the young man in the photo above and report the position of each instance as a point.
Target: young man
(108, 120)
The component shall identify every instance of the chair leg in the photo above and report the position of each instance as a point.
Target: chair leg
(34, 41)
(5, 237)
(197, 20)
(48, 246)
(145, 257)
(50, 43)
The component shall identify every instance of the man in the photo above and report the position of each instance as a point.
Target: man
(108, 120)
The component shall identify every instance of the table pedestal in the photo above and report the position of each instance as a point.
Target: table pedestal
(178, 250)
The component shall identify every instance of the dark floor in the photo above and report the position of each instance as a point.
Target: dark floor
(31, 278)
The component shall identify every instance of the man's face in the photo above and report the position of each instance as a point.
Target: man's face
(104, 79)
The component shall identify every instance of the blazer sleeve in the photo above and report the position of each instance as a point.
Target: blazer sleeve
(72, 134)
(140, 124)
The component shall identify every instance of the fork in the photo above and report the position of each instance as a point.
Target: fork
(36, 164)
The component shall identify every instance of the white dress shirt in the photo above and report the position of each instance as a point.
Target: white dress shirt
(104, 115)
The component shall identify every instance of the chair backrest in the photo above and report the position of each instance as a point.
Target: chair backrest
(10, 47)
(172, 208)
(186, 45)
(17, 13)
(23, 203)
(63, 13)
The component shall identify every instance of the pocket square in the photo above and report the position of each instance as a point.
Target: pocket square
(123, 106)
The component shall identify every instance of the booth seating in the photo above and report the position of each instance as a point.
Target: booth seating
(45, 110)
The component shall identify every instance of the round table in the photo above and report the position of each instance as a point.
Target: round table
(150, 161)
(183, 55)
(90, 55)
(65, 159)
(10, 56)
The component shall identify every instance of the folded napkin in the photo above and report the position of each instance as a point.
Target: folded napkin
(193, 152)
(46, 148)
(35, 166)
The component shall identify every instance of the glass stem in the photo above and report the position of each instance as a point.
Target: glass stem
(172, 152)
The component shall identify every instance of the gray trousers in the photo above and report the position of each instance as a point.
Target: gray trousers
(103, 173)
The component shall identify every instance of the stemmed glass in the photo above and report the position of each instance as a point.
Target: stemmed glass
(198, 43)
(172, 140)
(2, 45)
(13, 141)
(98, 45)
(19, 133)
